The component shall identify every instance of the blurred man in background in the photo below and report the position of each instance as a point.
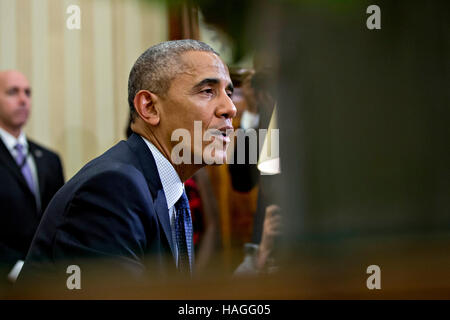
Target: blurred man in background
(30, 175)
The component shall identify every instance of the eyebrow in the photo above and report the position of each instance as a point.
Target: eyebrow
(16, 88)
(212, 81)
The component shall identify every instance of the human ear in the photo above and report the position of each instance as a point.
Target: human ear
(145, 104)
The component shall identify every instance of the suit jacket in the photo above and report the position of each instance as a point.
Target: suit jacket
(19, 215)
(111, 218)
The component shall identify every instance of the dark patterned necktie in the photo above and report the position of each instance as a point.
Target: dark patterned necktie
(183, 232)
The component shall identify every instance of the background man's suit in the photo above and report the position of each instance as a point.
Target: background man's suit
(19, 214)
(114, 210)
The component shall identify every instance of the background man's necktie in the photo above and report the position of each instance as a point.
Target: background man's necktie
(183, 232)
(24, 167)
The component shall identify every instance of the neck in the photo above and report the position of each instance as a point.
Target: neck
(15, 132)
(185, 171)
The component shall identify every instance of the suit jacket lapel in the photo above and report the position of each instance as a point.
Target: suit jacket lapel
(36, 153)
(163, 216)
(11, 165)
(154, 183)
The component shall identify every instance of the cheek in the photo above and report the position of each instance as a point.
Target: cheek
(9, 107)
(204, 113)
(184, 112)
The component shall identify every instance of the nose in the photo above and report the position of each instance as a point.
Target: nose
(226, 107)
(24, 99)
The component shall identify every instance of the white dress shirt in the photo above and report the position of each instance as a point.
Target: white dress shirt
(172, 186)
(10, 142)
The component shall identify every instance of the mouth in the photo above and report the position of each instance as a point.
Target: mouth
(225, 133)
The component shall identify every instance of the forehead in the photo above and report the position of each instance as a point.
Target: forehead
(197, 65)
(10, 79)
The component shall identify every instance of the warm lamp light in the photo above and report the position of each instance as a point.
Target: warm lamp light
(269, 163)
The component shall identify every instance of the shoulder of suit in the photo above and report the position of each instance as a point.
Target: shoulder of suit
(114, 176)
(112, 168)
(40, 150)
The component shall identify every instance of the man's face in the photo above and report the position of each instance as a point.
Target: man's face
(15, 100)
(200, 92)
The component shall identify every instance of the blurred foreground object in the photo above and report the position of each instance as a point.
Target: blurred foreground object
(363, 143)
(269, 159)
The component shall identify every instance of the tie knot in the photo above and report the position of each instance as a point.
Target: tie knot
(18, 147)
(183, 202)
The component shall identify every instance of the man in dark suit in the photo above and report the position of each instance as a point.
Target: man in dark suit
(30, 175)
(127, 208)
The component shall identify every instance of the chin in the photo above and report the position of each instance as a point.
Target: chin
(215, 153)
(20, 122)
(215, 160)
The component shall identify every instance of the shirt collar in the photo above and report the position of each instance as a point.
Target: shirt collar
(171, 183)
(10, 141)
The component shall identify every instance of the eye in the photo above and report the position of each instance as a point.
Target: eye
(207, 90)
(12, 91)
(230, 93)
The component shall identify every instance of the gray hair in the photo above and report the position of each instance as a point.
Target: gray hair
(157, 66)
